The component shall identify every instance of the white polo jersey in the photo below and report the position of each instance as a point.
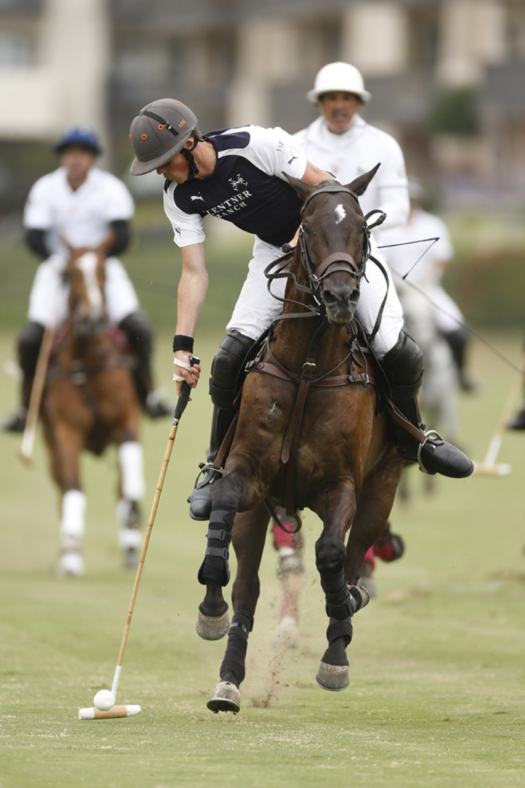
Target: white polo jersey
(82, 216)
(358, 150)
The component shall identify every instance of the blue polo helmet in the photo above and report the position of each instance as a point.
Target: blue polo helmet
(79, 135)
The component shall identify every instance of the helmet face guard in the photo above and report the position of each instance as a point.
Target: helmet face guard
(158, 133)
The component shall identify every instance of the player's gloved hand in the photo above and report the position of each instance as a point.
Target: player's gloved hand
(184, 371)
(57, 262)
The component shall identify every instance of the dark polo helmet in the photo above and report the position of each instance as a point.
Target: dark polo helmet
(158, 133)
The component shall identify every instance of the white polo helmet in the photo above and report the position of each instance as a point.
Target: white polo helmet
(340, 77)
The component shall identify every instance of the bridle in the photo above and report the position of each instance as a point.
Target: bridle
(335, 262)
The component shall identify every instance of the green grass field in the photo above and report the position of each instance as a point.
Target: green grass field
(437, 692)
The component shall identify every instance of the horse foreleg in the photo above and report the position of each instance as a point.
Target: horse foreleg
(132, 485)
(340, 603)
(248, 541)
(375, 504)
(214, 572)
(65, 444)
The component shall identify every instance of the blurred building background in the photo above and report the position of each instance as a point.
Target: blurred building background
(447, 77)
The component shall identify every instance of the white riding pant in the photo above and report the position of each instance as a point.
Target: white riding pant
(256, 308)
(49, 295)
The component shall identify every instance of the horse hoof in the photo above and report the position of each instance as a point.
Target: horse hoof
(131, 558)
(369, 585)
(287, 634)
(71, 564)
(361, 594)
(212, 627)
(332, 677)
(225, 697)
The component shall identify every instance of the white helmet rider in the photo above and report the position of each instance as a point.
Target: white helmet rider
(338, 77)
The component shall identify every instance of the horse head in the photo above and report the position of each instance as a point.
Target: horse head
(86, 273)
(334, 243)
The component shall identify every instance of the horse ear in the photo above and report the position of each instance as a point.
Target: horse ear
(359, 186)
(302, 188)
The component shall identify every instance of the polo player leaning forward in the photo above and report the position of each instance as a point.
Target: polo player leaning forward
(240, 175)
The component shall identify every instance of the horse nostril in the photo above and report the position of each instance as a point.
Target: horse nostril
(329, 298)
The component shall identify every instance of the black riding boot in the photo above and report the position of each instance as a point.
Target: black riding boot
(518, 421)
(403, 365)
(225, 383)
(139, 334)
(29, 341)
(457, 342)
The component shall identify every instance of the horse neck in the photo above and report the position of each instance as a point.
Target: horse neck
(77, 348)
(293, 336)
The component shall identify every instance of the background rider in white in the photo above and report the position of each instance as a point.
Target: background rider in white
(428, 272)
(83, 204)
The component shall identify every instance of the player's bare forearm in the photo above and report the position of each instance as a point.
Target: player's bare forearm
(313, 174)
(190, 299)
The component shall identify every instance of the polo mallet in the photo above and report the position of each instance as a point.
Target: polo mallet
(489, 467)
(109, 698)
(25, 452)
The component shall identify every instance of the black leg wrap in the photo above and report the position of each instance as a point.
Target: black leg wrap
(215, 567)
(29, 341)
(139, 334)
(233, 666)
(340, 629)
(340, 604)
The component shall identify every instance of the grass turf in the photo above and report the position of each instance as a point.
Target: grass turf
(437, 672)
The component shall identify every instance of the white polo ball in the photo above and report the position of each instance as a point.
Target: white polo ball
(104, 700)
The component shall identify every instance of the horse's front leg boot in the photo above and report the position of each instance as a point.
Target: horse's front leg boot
(233, 666)
(215, 567)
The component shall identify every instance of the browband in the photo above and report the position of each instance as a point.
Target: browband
(334, 188)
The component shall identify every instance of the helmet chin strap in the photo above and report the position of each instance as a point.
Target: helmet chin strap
(190, 158)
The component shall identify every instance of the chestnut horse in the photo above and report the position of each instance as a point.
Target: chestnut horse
(336, 458)
(90, 401)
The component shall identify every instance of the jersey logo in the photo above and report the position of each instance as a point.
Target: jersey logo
(293, 157)
(237, 181)
(196, 197)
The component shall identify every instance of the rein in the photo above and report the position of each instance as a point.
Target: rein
(335, 262)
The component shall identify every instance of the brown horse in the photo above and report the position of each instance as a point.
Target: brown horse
(337, 458)
(90, 401)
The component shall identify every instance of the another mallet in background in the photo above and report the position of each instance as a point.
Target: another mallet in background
(489, 467)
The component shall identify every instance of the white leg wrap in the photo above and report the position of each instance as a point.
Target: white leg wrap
(132, 469)
(73, 509)
(127, 537)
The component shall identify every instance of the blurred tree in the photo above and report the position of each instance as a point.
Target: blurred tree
(455, 111)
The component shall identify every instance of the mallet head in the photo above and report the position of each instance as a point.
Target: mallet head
(116, 711)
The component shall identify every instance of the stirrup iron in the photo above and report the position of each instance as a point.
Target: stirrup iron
(428, 434)
(206, 466)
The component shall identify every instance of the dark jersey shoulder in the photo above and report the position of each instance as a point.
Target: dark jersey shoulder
(241, 192)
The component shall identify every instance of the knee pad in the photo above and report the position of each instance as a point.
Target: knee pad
(139, 333)
(226, 369)
(403, 365)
